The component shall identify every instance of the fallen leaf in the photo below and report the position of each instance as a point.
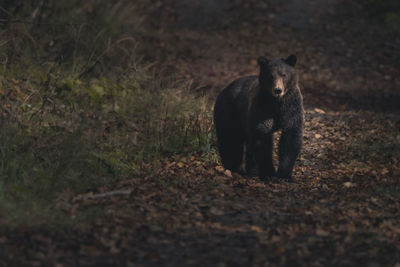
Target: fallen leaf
(275, 239)
(228, 173)
(384, 171)
(256, 229)
(318, 110)
(348, 184)
(216, 211)
(220, 169)
(318, 136)
(321, 232)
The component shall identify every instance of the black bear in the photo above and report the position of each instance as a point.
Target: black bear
(251, 109)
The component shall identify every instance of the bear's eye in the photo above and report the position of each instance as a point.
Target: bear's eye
(283, 75)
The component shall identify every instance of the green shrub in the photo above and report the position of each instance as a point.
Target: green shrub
(85, 132)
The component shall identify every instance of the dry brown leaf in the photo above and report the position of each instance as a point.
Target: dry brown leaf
(220, 169)
(256, 228)
(384, 171)
(216, 211)
(318, 110)
(180, 164)
(275, 239)
(228, 173)
(348, 184)
(321, 232)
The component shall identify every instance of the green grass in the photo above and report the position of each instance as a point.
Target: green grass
(94, 132)
(81, 109)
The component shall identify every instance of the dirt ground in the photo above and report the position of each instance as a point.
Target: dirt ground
(343, 208)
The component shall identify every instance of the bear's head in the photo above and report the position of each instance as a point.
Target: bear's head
(278, 76)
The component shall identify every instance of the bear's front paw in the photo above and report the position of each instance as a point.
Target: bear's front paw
(252, 173)
(266, 179)
(288, 179)
(285, 178)
(268, 175)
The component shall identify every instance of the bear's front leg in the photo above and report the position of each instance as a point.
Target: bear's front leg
(251, 163)
(264, 157)
(263, 149)
(289, 149)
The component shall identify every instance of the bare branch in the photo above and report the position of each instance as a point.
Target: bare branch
(102, 195)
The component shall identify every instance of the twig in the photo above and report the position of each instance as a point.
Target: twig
(6, 11)
(36, 23)
(102, 195)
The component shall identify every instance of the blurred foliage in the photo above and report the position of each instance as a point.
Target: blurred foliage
(386, 12)
(80, 107)
(94, 36)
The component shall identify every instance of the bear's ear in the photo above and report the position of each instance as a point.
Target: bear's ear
(291, 60)
(262, 61)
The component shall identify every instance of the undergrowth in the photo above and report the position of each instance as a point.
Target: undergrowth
(81, 108)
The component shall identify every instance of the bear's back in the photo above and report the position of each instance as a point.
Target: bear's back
(238, 91)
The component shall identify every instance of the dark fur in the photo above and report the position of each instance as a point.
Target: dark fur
(247, 112)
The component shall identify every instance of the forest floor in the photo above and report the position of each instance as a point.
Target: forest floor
(343, 207)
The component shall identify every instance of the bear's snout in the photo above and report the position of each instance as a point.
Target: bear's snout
(278, 91)
(278, 87)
